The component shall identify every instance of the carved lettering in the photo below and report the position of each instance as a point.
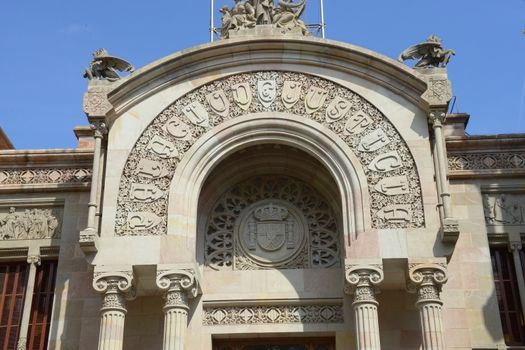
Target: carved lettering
(396, 214)
(163, 148)
(267, 91)
(393, 186)
(142, 221)
(197, 114)
(357, 123)
(177, 128)
(219, 103)
(291, 93)
(373, 141)
(386, 162)
(151, 169)
(242, 95)
(337, 109)
(145, 193)
(314, 99)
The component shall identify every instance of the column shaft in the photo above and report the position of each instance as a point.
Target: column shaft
(367, 326)
(443, 167)
(33, 262)
(175, 324)
(431, 326)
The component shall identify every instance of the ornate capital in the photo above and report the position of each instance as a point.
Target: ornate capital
(34, 260)
(362, 281)
(99, 129)
(426, 281)
(437, 117)
(515, 246)
(180, 285)
(116, 286)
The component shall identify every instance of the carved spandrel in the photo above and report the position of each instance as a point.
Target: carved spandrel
(30, 223)
(177, 128)
(151, 169)
(291, 93)
(138, 221)
(337, 109)
(145, 193)
(357, 123)
(386, 162)
(314, 99)
(163, 148)
(197, 114)
(219, 103)
(504, 209)
(242, 95)
(267, 92)
(393, 186)
(373, 141)
(396, 213)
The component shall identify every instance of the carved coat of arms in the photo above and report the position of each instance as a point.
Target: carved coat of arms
(270, 228)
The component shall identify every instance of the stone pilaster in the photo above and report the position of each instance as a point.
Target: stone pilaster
(426, 280)
(180, 286)
(116, 287)
(361, 281)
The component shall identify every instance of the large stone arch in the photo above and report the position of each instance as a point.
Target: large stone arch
(392, 181)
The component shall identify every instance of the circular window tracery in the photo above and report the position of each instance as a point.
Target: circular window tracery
(272, 221)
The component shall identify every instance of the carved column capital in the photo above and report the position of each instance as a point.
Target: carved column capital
(117, 287)
(515, 246)
(427, 280)
(180, 285)
(362, 282)
(99, 128)
(436, 117)
(34, 260)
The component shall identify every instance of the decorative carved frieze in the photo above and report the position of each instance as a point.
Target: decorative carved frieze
(23, 222)
(276, 314)
(376, 143)
(486, 161)
(22, 176)
(504, 209)
(271, 222)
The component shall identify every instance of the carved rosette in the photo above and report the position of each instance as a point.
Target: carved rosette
(96, 103)
(117, 287)
(426, 280)
(180, 285)
(390, 169)
(362, 282)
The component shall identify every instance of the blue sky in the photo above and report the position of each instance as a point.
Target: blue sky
(45, 46)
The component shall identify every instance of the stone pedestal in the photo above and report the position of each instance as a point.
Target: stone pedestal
(362, 281)
(426, 281)
(180, 285)
(113, 312)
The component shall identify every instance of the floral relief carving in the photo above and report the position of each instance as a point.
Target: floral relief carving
(479, 161)
(271, 222)
(375, 141)
(279, 314)
(44, 176)
(30, 223)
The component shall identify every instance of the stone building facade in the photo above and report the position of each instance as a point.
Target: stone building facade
(260, 191)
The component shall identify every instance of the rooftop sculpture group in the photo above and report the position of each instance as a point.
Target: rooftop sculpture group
(429, 53)
(249, 13)
(104, 66)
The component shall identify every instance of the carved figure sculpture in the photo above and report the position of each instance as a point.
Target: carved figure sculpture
(264, 10)
(242, 15)
(287, 16)
(33, 224)
(429, 53)
(104, 66)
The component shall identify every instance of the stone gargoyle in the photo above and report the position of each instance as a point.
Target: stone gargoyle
(429, 53)
(106, 67)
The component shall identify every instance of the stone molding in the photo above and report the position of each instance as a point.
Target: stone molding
(180, 285)
(390, 169)
(272, 314)
(362, 282)
(116, 287)
(426, 280)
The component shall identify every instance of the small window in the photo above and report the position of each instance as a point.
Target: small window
(508, 296)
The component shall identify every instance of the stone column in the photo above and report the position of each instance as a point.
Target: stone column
(426, 281)
(100, 130)
(515, 248)
(437, 118)
(362, 281)
(116, 287)
(180, 285)
(33, 261)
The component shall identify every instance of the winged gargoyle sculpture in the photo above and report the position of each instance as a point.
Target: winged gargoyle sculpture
(104, 66)
(429, 53)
